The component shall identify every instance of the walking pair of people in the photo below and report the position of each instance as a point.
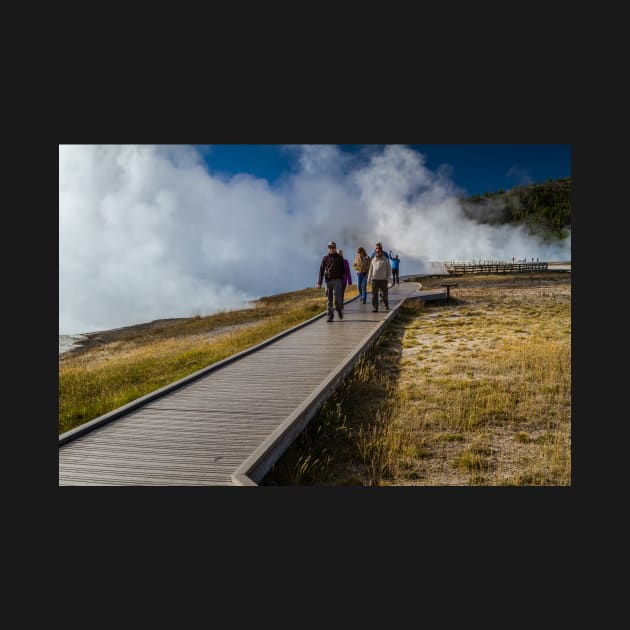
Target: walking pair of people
(362, 264)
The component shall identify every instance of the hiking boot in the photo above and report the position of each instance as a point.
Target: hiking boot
(340, 315)
(330, 318)
(374, 310)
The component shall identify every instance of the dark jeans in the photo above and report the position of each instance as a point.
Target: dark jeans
(380, 285)
(395, 277)
(334, 294)
(362, 285)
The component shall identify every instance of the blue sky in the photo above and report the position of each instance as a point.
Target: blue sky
(475, 168)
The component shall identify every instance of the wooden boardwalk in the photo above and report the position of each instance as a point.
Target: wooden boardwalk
(227, 424)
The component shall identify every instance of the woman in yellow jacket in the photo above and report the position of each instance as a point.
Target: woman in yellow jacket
(361, 265)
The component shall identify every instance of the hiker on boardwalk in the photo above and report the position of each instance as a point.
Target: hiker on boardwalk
(347, 277)
(332, 269)
(361, 265)
(379, 275)
(395, 261)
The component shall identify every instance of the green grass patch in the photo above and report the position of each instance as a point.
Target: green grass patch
(91, 384)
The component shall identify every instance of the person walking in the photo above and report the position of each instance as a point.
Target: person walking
(395, 261)
(347, 277)
(361, 265)
(332, 269)
(379, 275)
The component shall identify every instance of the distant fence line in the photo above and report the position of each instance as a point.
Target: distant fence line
(493, 266)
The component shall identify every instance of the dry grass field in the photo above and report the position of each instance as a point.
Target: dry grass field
(474, 391)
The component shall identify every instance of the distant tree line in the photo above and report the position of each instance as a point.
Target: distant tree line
(544, 208)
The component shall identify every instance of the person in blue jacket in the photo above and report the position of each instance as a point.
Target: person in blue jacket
(395, 268)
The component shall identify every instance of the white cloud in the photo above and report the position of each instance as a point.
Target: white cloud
(146, 233)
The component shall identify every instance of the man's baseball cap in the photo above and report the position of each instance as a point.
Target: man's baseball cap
(332, 244)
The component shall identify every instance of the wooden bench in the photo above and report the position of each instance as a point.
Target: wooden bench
(448, 286)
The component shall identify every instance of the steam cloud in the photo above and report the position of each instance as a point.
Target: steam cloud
(146, 232)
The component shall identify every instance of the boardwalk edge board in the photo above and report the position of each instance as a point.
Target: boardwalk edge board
(258, 464)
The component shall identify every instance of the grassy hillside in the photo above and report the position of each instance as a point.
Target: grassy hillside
(544, 208)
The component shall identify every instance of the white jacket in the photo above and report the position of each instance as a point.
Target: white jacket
(380, 269)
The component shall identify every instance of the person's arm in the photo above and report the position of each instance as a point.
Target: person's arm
(389, 272)
(321, 272)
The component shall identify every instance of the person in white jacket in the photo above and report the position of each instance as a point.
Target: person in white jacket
(379, 277)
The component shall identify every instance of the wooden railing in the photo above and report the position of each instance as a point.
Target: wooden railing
(493, 266)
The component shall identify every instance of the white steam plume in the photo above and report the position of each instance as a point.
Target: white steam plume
(146, 232)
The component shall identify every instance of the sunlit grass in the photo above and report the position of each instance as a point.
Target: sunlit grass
(492, 406)
(95, 382)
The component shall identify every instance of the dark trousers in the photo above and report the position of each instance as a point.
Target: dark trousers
(395, 277)
(334, 295)
(379, 285)
(362, 286)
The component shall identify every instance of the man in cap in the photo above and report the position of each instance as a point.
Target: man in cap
(332, 269)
